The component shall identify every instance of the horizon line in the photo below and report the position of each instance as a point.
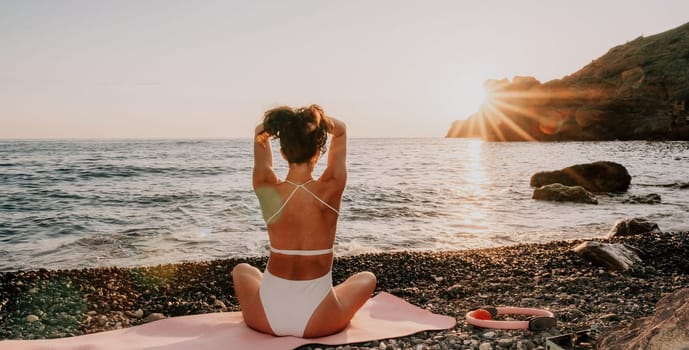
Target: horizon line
(3, 139)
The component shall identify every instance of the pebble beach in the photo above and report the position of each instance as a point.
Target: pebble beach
(61, 303)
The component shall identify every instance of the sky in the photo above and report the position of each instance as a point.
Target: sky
(210, 69)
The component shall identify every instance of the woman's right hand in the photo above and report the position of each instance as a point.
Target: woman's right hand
(260, 135)
(336, 126)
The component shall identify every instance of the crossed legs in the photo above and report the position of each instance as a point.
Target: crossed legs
(340, 305)
(331, 316)
(247, 280)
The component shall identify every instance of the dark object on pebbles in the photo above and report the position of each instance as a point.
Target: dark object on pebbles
(632, 226)
(561, 193)
(651, 198)
(585, 339)
(666, 329)
(595, 177)
(614, 256)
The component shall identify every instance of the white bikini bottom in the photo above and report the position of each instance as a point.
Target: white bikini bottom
(290, 304)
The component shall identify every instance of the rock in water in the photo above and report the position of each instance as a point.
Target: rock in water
(666, 329)
(632, 226)
(595, 177)
(614, 256)
(651, 198)
(560, 193)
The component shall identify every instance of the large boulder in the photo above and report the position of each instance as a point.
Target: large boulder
(666, 329)
(596, 177)
(613, 256)
(561, 193)
(631, 227)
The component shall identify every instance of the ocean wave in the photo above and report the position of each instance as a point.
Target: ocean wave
(132, 170)
(57, 194)
(354, 247)
(165, 198)
(682, 185)
(360, 194)
(125, 237)
(238, 208)
(370, 212)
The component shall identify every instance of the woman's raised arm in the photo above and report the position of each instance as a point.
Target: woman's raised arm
(337, 153)
(263, 159)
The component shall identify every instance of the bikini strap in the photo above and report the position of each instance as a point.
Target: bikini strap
(303, 187)
(302, 252)
(283, 205)
(313, 194)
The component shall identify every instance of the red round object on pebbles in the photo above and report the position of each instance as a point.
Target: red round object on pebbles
(481, 314)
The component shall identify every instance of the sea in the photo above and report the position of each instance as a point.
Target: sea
(87, 203)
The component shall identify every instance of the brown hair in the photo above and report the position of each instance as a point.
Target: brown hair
(302, 131)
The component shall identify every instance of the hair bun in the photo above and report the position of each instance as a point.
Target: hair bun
(302, 131)
(277, 119)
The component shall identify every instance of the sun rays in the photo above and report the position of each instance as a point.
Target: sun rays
(526, 110)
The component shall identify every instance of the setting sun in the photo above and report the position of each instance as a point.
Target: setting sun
(470, 97)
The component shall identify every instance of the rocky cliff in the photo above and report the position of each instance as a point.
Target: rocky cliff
(636, 91)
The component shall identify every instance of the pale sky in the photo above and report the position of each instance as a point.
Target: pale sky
(196, 69)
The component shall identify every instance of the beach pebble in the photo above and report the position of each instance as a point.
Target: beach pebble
(615, 256)
(608, 317)
(31, 318)
(489, 334)
(485, 346)
(154, 317)
(505, 342)
(138, 313)
(219, 304)
(526, 345)
(632, 226)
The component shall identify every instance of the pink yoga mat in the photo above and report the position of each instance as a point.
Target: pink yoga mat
(383, 316)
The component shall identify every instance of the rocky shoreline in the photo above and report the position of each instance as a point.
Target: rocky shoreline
(58, 303)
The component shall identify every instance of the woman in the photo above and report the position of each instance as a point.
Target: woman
(295, 295)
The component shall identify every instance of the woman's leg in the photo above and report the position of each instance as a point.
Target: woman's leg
(247, 281)
(338, 307)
